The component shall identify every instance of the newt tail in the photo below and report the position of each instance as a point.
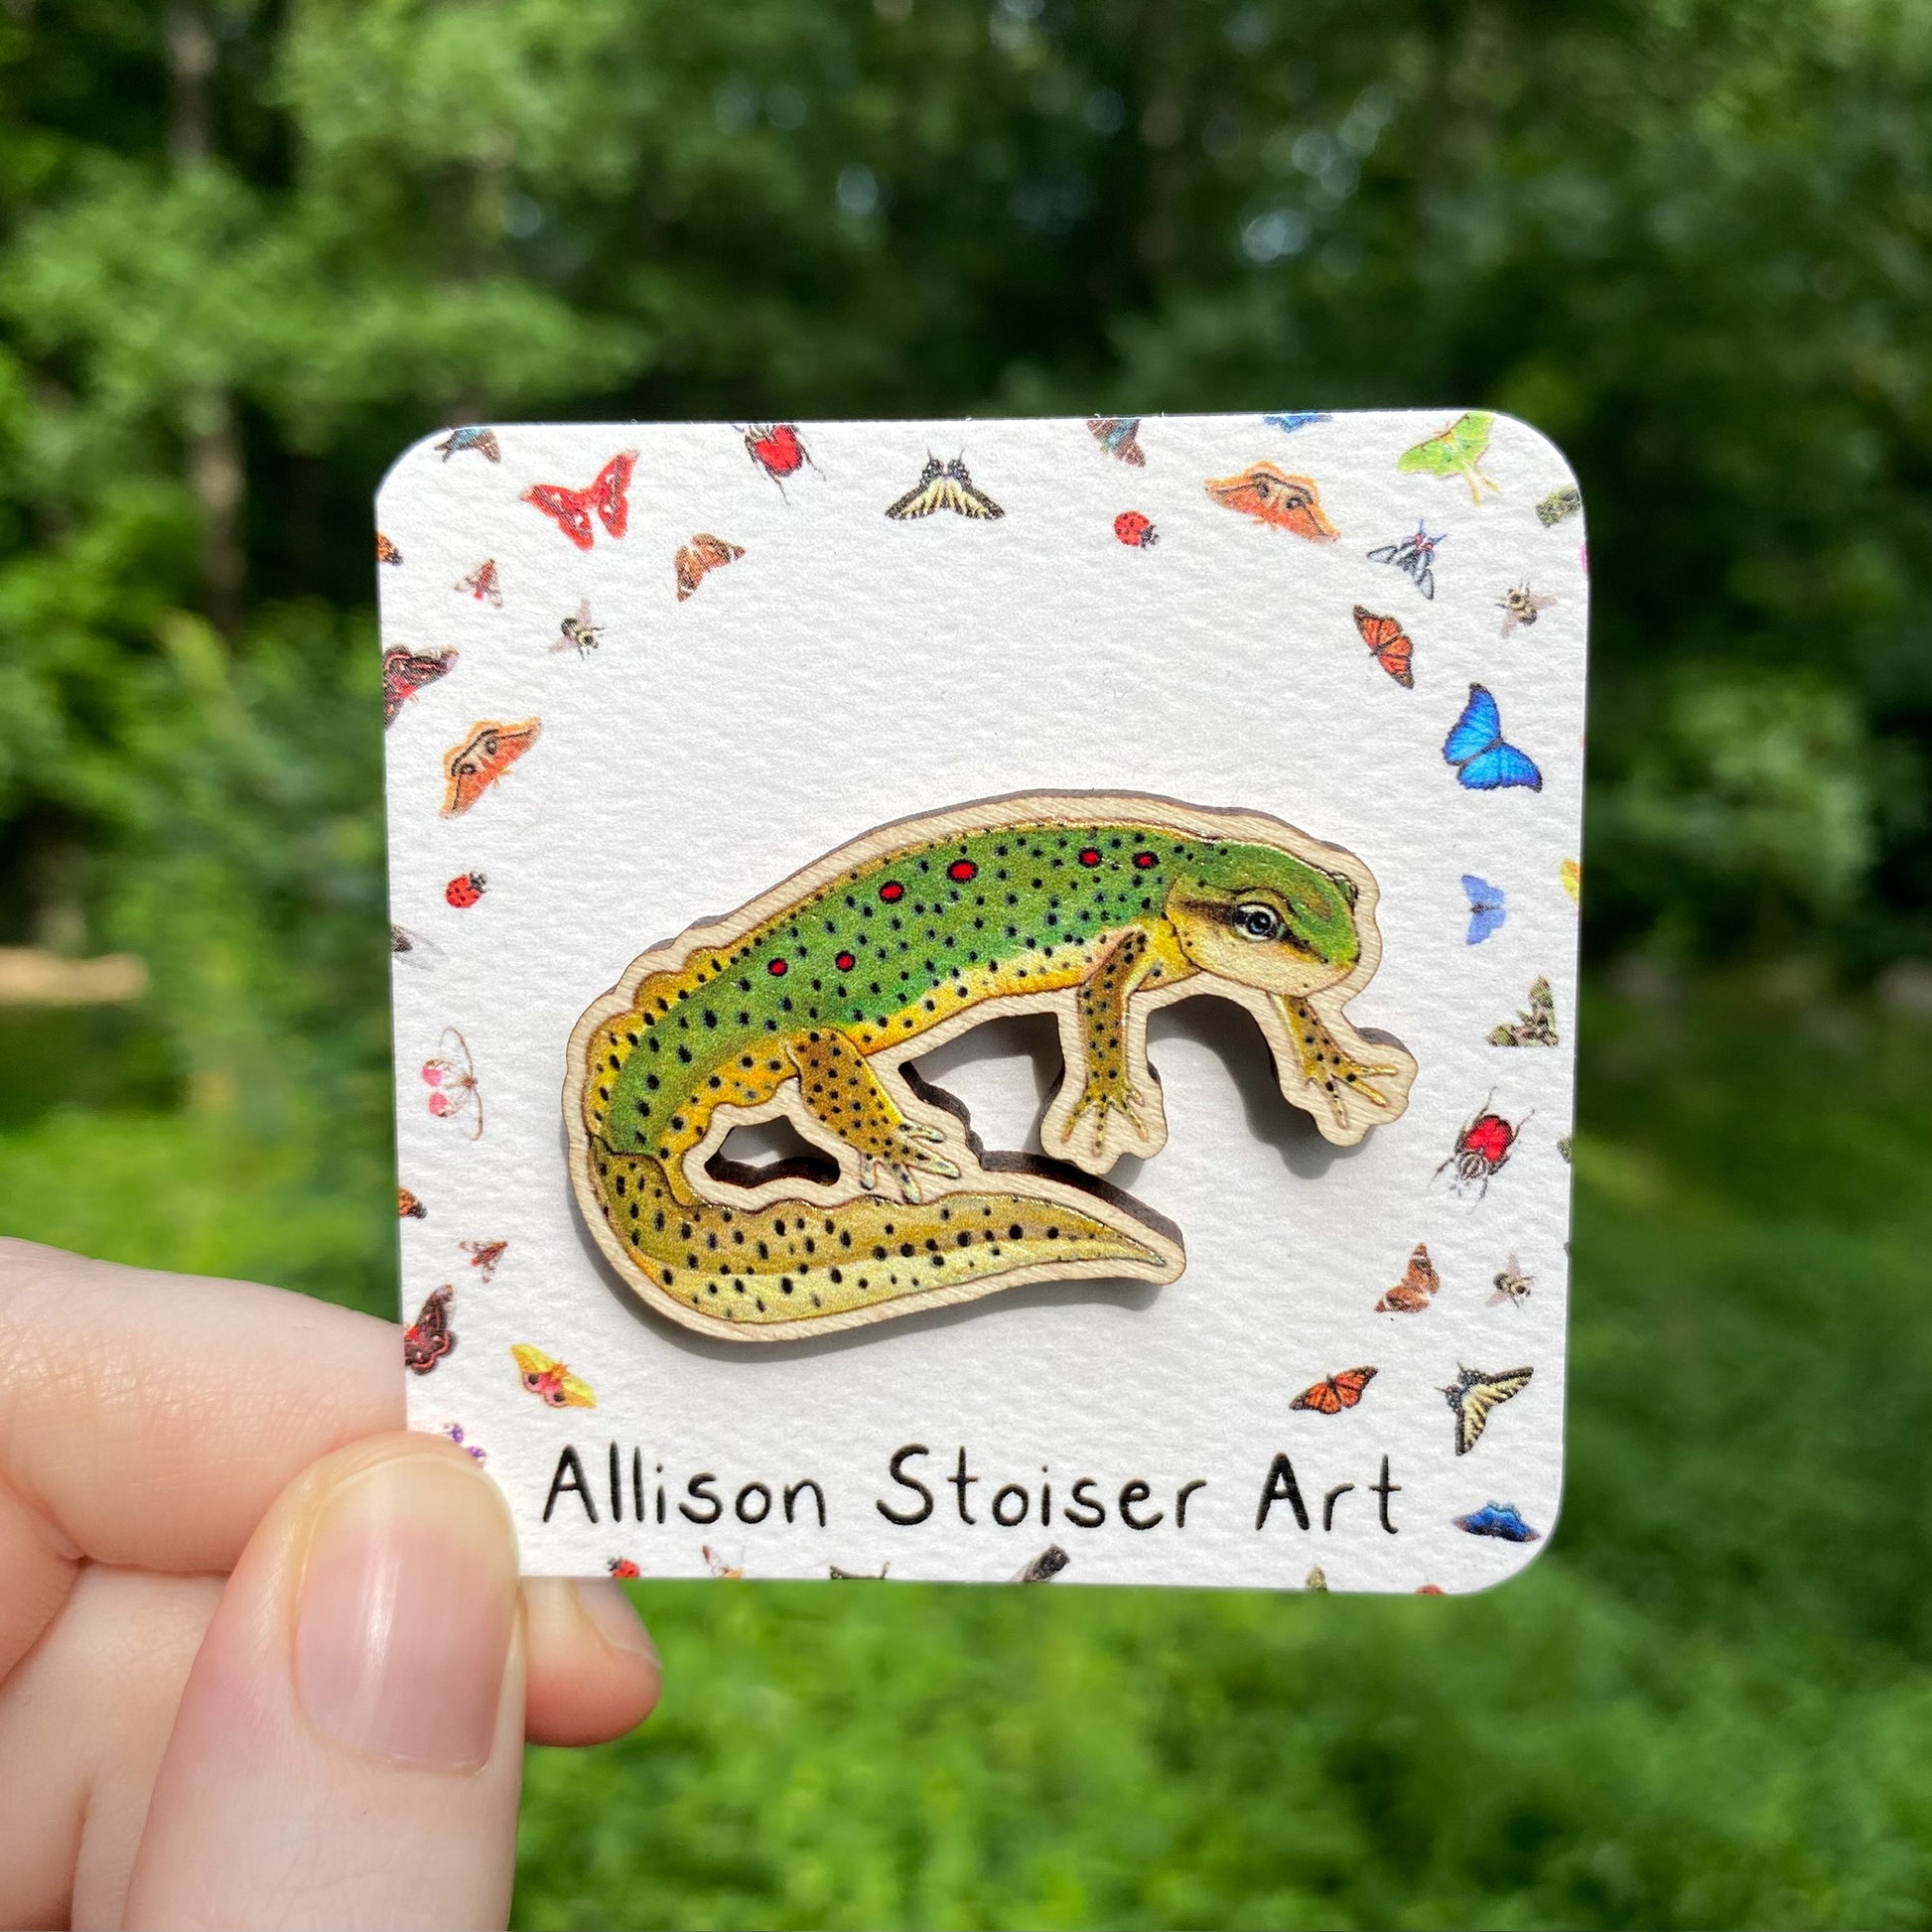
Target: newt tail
(799, 1262)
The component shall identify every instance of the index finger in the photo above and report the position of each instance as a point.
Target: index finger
(148, 1420)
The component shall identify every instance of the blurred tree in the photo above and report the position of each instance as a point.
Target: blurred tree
(248, 252)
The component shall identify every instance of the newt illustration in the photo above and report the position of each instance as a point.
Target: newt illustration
(810, 1001)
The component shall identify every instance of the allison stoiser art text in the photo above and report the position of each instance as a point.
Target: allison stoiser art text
(922, 1484)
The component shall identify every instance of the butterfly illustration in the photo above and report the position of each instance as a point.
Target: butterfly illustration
(385, 551)
(1316, 1579)
(405, 672)
(1536, 1026)
(483, 758)
(734, 1571)
(454, 1431)
(1474, 745)
(1389, 645)
(1519, 606)
(572, 509)
(451, 1076)
(1334, 1393)
(430, 1337)
(1290, 420)
(578, 633)
(1559, 506)
(1572, 875)
(1415, 1291)
(1483, 1150)
(1415, 556)
(408, 1207)
(1119, 436)
(1268, 496)
(622, 1568)
(778, 450)
(1472, 1395)
(1457, 450)
(1488, 908)
(483, 583)
(944, 486)
(483, 441)
(551, 1379)
(700, 556)
(1045, 1567)
(1134, 531)
(1498, 1519)
(838, 1576)
(484, 1255)
(1512, 1285)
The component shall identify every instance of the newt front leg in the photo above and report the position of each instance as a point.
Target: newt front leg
(1344, 1081)
(1102, 1111)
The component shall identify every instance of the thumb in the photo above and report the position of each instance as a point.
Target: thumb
(348, 1749)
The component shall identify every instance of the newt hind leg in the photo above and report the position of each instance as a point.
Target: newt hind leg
(839, 1089)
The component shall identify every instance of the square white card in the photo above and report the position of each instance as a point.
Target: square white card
(776, 813)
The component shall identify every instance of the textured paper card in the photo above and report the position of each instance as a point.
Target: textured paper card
(991, 1000)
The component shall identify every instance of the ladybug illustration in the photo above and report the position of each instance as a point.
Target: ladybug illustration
(1134, 531)
(1482, 1148)
(622, 1566)
(778, 450)
(465, 889)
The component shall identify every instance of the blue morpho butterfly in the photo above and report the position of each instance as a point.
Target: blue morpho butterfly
(1474, 745)
(1292, 419)
(1503, 1520)
(1487, 905)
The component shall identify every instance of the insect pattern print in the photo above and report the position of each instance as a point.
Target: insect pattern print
(1288, 421)
(484, 584)
(698, 558)
(385, 551)
(405, 672)
(1415, 556)
(579, 634)
(465, 889)
(1488, 908)
(778, 450)
(408, 948)
(1475, 1395)
(1316, 1580)
(1457, 450)
(1266, 494)
(835, 1575)
(482, 441)
(430, 1337)
(472, 768)
(605, 498)
(722, 1568)
(1512, 1285)
(1416, 1290)
(1520, 605)
(550, 1380)
(484, 1256)
(1045, 1567)
(450, 1078)
(944, 486)
(1334, 1393)
(1134, 531)
(454, 1431)
(622, 1569)
(1559, 506)
(408, 1207)
(1389, 645)
(1475, 747)
(1535, 1025)
(1483, 1150)
(1119, 436)
(1500, 1520)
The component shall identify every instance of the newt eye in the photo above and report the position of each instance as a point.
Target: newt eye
(1257, 921)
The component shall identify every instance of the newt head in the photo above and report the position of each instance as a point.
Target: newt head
(1264, 919)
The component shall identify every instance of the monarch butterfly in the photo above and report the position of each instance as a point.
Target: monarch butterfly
(700, 556)
(483, 758)
(1416, 1288)
(405, 672)
(551, 1379)
(1519, 606)
(604, 497)
(1472, 1395)
(1488, 907)
(430, 1337)
(1534, 1027)
(451, 1076)
(1389, 645)
(1264, 492)
(1119, 436)
(944, 486)
(1476, 746)
(1457, 450)
(1415, 556)
(482, 582)
(1334, 1393)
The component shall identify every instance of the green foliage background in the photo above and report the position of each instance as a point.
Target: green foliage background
(247, 252)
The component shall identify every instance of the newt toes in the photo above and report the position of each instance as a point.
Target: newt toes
(808, 1002)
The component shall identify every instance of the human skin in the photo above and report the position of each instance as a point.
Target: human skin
(264, 1656)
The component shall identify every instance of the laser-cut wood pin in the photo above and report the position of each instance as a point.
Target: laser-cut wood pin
(808, 1002)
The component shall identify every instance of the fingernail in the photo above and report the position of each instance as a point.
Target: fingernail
(612, 1618)
(407, 1603)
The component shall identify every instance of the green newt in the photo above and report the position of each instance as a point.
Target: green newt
(808, 1002)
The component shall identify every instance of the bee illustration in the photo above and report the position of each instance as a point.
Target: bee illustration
(1512, 1285)
(1519, 606)
(578, 633)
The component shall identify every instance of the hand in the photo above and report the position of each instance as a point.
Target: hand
(263, 1656)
